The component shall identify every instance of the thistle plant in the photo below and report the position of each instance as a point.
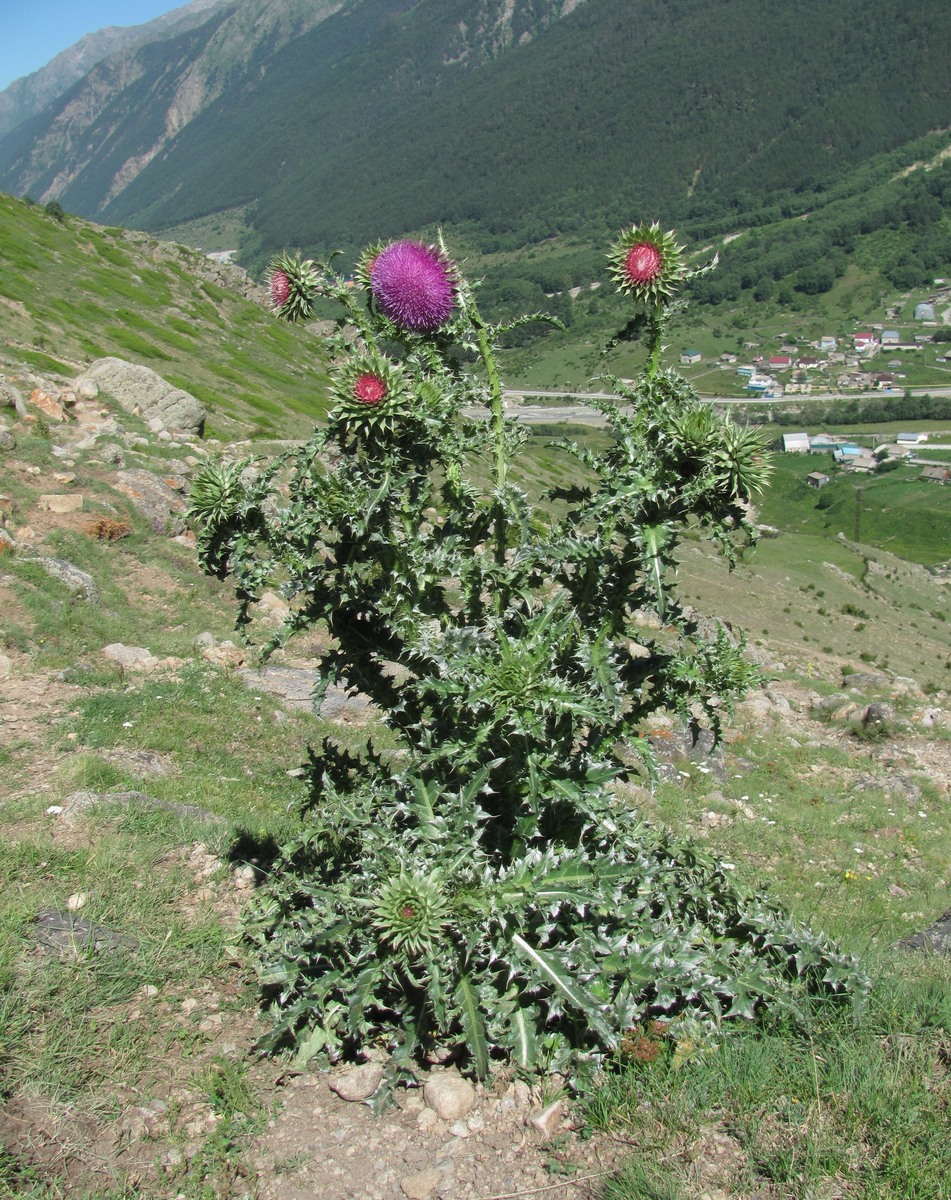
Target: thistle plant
(483, 888)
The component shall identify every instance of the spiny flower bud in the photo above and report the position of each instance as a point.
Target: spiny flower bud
(414, 285)
(280, 286)
(293, 285)
(647, 263)
(369, 388)
(371, 394)
(642, 263)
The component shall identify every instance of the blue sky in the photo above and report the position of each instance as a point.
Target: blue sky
(34, 31)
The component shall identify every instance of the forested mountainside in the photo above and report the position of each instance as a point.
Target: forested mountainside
(515, 122)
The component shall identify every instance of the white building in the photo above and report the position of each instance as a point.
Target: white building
(796, 443)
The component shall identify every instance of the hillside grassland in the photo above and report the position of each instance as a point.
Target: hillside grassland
(73, 292)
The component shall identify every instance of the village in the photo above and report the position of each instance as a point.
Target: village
(846, 454)
(862, 361)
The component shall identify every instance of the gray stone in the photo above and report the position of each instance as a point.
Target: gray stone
(131, 658)
(8, 439)
(161, 505)
(11, 397)
(295, 687)
(865, 679)
(141, 390)
(75, 579)
(548, 1120)
(936, 938)
(79, 802)
(877, 715)
(140, 762)
(61, 933)
(449, 1095)
(111, 453)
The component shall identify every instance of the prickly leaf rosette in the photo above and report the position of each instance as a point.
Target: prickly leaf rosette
(647, 263)
(293, 284)
(411, 912)
(413, 285)
(371, 394)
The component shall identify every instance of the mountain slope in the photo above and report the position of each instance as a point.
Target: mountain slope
(255, 64)
(99, 134)
(29, 95)
(525, 119)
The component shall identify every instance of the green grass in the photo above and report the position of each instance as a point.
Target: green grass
(799, 1111)
(897, 510)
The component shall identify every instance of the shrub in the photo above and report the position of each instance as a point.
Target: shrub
(105, 529)
(483, 889)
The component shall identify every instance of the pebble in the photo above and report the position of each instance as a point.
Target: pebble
(449, 1094)
(420, 1185)
(548, 1120)
(76, 901)
(359, 1083)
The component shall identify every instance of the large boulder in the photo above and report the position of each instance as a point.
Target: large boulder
(141, 391)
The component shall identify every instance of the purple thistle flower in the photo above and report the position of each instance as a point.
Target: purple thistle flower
(413, 285)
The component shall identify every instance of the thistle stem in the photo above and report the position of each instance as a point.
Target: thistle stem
(497, 416)
(656, 337)
(496, 407)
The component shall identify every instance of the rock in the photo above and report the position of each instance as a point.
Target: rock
(75, 902)
(359, 1083)
(449, 1095)
(272, 609)
(162, 506)
(420, 1185)
(79, 802)
(75, 579)
(8, 439)
(901, 685)
(877, 715)
(61, 933)
(295, 686)
(111, 454)
(902, 786)
(548, 1120)
(6, 666)
(936, 938)
(224, 654)
(865, 679)
(48, 405)
(930, 718)
(65, 503)
(11, 397)
(131, 658)
(141, 390)
(141, 762)
(845, 711)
